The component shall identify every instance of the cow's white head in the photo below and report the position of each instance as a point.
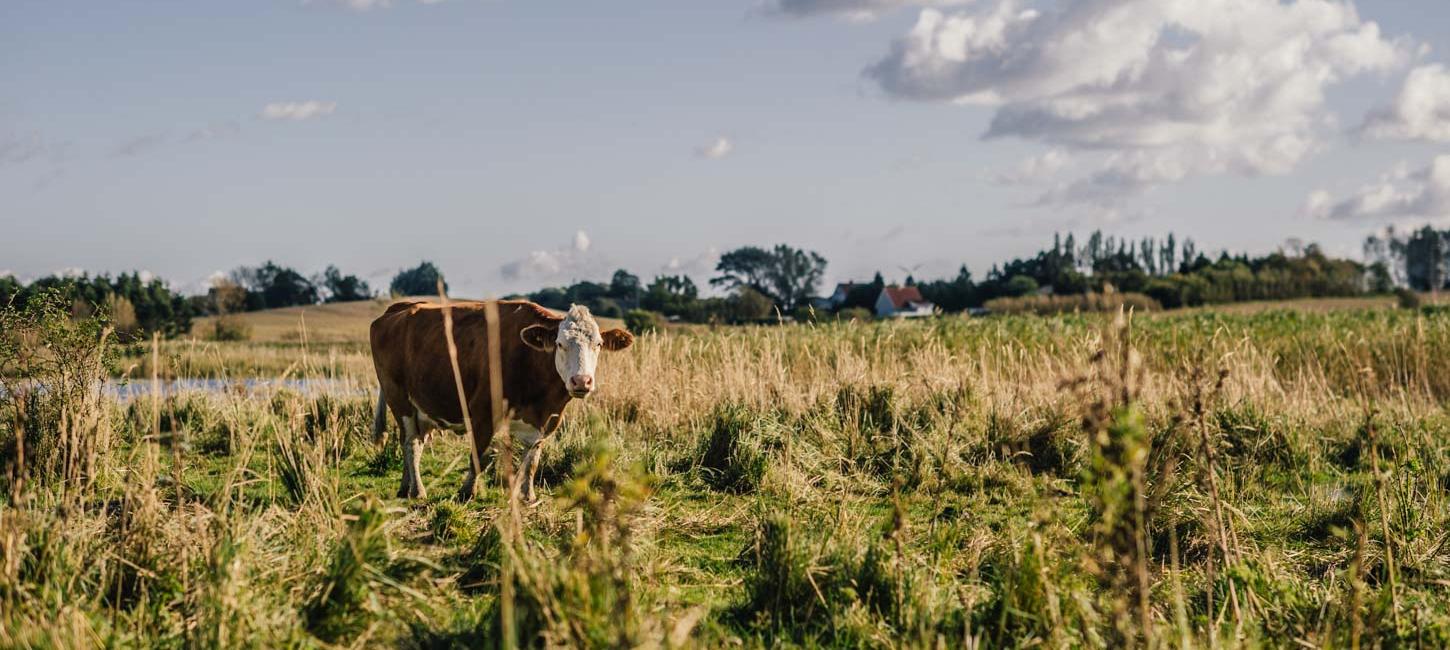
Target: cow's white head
(575, 342)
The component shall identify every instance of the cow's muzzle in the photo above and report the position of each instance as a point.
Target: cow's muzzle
(581, 385)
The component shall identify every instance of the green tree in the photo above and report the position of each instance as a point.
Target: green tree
(794, 276)
(271, 285)
(672, 295)
(749, 266)
(421, 280)
(625, 288)
(344, 288)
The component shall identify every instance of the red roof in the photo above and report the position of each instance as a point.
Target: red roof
(901, 296)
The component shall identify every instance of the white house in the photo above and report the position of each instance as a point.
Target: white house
(902, 302)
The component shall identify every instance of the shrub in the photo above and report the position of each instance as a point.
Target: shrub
(1082, 302)
(641, 321)
(806, 314)
(1020, 285)
(228, 328)
(1408, 298)
(733, 457)
(123, 316)
(811, 585)
(344, 590)
(51, 370)
(588, 596)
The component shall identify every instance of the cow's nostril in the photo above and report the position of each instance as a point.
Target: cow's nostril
(581, 382)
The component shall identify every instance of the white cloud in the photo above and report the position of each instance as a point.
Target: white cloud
(1402, 194)
(297, 111)
(1420, 112)
(564, 263)
(1035, 169)
(858, 10)
(721, 147)
(366, 5)
(355, 5)
(1167, 88)
(702, 264)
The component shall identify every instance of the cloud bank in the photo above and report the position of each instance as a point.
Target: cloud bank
(1161, 90)
(859, 10)
(1421, 111)
(1402, 194)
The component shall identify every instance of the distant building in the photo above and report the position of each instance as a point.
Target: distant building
(838, 297)
(902, 302)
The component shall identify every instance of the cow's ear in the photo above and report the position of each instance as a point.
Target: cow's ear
(617, 339)
(540, 337)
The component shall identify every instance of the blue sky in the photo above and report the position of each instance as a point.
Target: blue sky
(519, 144)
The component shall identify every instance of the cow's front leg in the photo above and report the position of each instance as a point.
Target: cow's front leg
(412, 487)
(529, 467)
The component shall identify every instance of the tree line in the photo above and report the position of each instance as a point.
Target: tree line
(1172, 272)
(758, 284)
(136, 306)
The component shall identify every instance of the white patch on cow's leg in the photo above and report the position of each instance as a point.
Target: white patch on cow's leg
(529, 464)
(531, 461)
(412, 449)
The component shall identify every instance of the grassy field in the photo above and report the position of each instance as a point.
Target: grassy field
(1196, 479)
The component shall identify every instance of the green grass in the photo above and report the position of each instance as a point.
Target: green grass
(883, 485)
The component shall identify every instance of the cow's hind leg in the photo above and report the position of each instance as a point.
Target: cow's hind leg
(482, 438)
(413, 439)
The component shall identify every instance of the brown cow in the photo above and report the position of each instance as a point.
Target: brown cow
(547, 360)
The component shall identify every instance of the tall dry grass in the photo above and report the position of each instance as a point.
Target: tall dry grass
(1195, 480)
